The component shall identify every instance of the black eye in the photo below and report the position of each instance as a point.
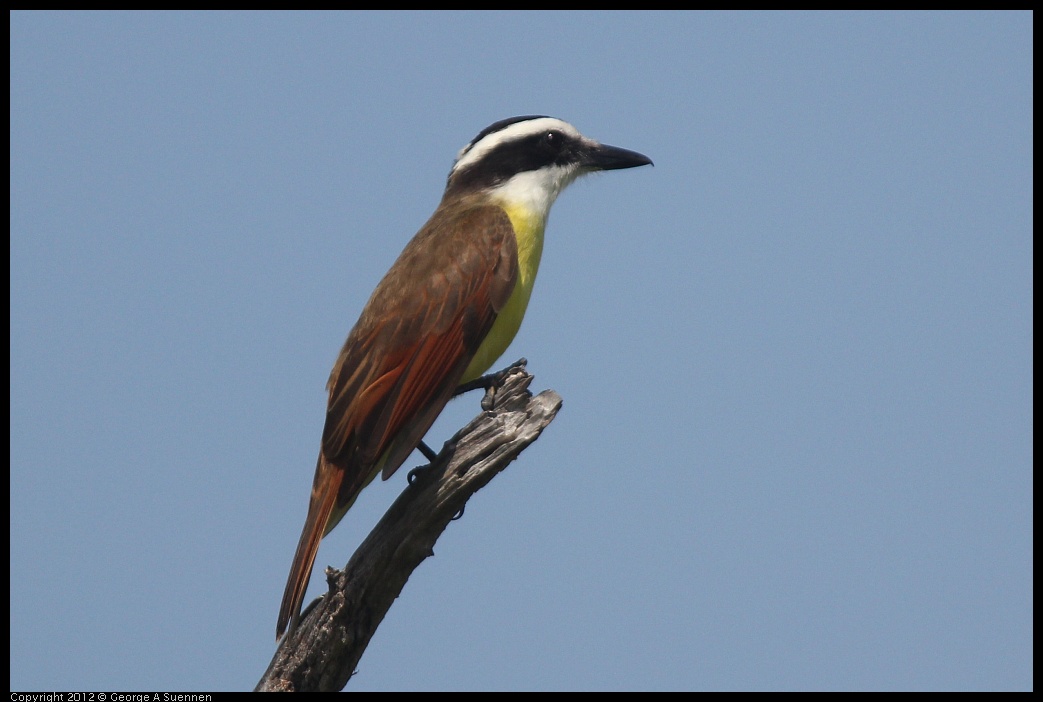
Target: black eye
(553, 139)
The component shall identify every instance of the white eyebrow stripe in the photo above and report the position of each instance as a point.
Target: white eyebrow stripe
(473, 152)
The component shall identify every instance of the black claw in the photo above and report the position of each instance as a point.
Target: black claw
(490, 379)
(458, 515)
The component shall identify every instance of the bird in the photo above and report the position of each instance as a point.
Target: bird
(443, 313)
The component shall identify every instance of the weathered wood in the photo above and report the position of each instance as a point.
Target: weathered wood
(322, 652)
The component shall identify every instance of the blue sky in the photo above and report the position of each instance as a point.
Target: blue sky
(795, 450)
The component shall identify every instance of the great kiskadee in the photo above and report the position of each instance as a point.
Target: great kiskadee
(443, 313)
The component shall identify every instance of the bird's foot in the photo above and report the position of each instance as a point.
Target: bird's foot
(489, 382)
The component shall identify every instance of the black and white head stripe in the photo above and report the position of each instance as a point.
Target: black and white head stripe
(516, 145)
(505, 130)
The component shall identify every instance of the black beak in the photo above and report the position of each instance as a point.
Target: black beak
(609, 158)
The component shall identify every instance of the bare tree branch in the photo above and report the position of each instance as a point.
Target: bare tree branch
(322, 652)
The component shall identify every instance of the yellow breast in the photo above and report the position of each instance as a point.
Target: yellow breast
(528, 230)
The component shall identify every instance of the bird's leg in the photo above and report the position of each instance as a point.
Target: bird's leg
(429, 454)
(489, 381)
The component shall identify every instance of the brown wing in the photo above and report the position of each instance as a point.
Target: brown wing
(401, 362)
(418, 333)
